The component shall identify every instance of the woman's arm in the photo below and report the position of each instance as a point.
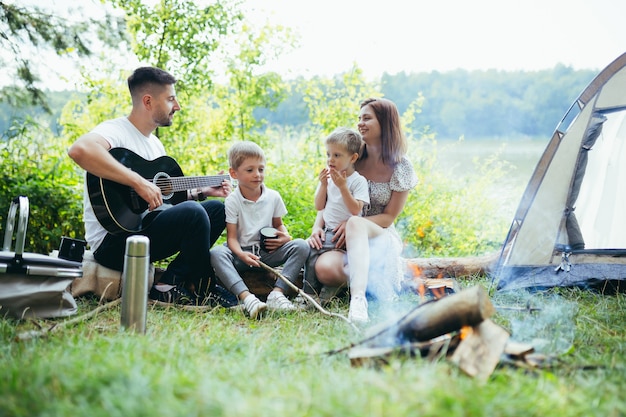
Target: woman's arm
(392, 211)
(316, 240)
(384, 219)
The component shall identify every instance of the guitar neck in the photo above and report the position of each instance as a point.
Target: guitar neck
(176, 184)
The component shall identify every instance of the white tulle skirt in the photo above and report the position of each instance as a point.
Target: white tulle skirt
(385, 270)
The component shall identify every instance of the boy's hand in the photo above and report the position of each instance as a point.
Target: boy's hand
(281, 238)
(316, 240)
(338, 177)
(250, 259)
(323, 176)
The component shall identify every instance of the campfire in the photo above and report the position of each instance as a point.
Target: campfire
(446, 324)
(455, 326)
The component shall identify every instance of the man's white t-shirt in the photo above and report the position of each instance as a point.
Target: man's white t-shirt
(120, 133)
(251, 216)
(335, 210)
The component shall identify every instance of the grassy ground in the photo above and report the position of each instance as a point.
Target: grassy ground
(219, 363)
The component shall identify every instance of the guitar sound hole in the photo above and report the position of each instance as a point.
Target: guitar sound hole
(163, 181)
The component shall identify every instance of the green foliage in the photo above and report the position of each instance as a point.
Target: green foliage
(106, 98)
(446, 216)
(334, 102)
(35, 165)
(24, 27)
(248, 90)
(192, 41)
(180, 36)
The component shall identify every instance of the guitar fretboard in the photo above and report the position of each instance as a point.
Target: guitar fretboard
(176, 184)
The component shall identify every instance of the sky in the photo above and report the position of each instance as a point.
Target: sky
(442, 35)
(435, 35)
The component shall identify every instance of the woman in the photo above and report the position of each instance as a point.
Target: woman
(390, 177)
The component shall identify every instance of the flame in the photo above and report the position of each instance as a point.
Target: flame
(465, 331)
(420, 288)
(417, 271)
(438, 292)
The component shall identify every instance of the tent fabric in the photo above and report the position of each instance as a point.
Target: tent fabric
(569, 229)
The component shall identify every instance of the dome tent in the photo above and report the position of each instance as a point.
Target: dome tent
(570, 226)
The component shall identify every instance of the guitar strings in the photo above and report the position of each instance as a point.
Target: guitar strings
(185, 183)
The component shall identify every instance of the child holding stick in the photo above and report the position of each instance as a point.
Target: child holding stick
(250, 208)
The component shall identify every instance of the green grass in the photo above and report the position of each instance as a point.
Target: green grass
(219, 363)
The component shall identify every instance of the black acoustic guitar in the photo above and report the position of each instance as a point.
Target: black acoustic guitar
(119, 209)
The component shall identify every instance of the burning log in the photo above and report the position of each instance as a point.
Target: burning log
(433, 319)
(452, 267)
(448, 314)
(455, 326)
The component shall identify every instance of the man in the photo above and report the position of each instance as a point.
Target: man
(186, 228)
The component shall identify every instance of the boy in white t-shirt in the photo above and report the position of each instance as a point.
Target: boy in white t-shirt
(342, 192)
(250, 208)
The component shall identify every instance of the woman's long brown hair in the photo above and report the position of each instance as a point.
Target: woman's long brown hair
(392, 138)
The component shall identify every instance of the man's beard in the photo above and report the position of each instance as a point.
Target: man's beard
(164, 120)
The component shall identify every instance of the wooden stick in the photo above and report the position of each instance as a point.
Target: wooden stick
(452, 267)
(305, 295)
(37, 333)
(527, 309)
(380, 333)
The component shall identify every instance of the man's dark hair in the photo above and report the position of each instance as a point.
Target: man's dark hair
(145, 77)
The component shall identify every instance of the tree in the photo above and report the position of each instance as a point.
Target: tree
(180, 36)
(248, 89)
(334, 102)
(25, 28)
(196, 43)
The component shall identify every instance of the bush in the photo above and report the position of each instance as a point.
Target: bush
(37, 166)
(446, 216)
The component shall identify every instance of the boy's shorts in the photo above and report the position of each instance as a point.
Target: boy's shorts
(311, 284)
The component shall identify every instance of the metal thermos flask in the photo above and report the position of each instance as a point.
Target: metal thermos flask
(135, 283)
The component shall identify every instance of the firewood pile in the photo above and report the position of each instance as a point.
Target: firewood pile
(455, 326)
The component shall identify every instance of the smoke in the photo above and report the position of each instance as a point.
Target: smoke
(386, 272)
(543, 320)
(385, 268)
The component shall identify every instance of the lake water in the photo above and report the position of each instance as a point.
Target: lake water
(462, 159)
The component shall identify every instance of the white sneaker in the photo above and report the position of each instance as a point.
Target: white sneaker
(358, 309)
(276, 300)
(253, 306)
